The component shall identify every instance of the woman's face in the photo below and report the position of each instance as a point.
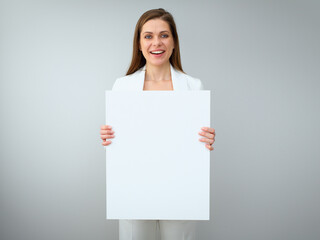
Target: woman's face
(156, 42)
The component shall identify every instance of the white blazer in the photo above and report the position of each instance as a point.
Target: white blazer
(135, 81)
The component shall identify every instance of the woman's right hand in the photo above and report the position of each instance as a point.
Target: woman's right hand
(106, 133)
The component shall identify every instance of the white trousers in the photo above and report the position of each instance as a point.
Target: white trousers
(157, 230)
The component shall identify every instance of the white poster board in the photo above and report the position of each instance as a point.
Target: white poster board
(156, 167)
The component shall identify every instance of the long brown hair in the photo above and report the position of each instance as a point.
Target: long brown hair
(138, 59)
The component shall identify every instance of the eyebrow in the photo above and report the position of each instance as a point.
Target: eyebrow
(152, 32)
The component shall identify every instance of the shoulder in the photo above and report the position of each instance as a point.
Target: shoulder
(124, 83)
(192, 82)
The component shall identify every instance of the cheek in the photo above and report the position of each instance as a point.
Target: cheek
(170, 44)
(144, 49)
(144, 46)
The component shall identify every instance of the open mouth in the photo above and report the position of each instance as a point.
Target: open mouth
(157, 52)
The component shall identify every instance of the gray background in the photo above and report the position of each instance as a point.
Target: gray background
(261, 60)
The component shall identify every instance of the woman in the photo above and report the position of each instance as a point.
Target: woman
(156, 65)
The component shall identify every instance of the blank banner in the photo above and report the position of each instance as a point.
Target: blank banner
(156, 167)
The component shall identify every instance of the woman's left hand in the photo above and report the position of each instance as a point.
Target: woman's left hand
(209, 137)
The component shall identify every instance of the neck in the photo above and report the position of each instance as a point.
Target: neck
(158, 73)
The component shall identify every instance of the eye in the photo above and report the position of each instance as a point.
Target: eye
(147, 36)
(164, 35)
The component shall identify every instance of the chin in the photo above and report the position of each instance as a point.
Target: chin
(158, 63)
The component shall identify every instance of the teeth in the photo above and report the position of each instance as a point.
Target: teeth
(157, 52)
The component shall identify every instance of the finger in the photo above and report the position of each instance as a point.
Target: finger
(205, 134)
(209, 147)
(206, 140)
(104, 137)
(106, 143)
(105, 127)
(208, 129)
(106, 132)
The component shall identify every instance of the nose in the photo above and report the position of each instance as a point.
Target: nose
(157, 41)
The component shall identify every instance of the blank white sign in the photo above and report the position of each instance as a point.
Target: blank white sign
(156, 167)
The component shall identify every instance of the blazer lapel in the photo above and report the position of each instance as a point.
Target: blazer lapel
(179, 82)
(140, 77)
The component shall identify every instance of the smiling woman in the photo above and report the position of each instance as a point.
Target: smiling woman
(151, 23)
(156, 42)
(156, 65)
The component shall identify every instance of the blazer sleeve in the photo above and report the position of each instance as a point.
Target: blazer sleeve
(200, 85)
(116, 85)
(195, 84)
